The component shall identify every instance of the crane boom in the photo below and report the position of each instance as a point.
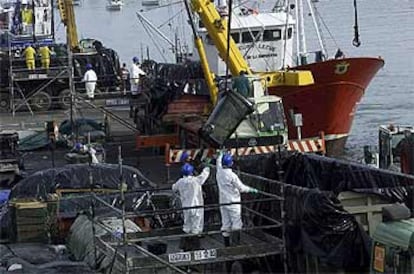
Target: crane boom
(67, 15)
(217, 30)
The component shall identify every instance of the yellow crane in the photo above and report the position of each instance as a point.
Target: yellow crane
(217, 31)
(67, 15)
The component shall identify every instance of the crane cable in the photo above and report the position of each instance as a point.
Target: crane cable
(356, 42)
(326, 27)
(230, 11)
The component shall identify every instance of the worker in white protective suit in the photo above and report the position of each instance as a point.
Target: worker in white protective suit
(136, 73)
(90, 79)
(189, 188)
(191, 195)
(230, 187)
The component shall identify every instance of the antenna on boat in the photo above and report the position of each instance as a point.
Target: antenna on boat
(147, 23)
(285, 34)
(301, 30)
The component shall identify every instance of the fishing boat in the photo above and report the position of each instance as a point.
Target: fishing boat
(115, 5)
(266, 39)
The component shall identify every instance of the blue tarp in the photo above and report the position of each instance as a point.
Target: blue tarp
(4, 196)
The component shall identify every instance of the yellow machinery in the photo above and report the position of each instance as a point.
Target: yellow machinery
(217, 30)
(67, 15)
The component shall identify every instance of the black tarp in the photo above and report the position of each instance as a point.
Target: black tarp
(314, 171)
(165, 82)
(105, 176)
(316, 222)
(39, 185)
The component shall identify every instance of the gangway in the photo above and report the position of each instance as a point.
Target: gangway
(160, 249)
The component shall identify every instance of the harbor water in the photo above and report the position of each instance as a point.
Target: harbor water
(386, 29)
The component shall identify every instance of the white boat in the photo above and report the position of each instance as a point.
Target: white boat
(115, 5)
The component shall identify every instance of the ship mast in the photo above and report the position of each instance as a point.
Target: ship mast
(300, 26)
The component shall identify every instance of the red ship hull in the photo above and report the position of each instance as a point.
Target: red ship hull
(329, 104)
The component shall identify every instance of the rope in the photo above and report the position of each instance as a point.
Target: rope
(318, 17)
(356, 42)
(326, 26)
(169, 20)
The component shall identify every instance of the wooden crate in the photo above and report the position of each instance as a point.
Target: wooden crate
(29, 220)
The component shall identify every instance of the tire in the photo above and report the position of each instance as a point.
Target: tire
(42, 101)
(64, 99)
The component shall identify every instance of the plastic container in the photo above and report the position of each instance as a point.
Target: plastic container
(229, 112)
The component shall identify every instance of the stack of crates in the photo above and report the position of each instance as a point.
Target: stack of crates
(30, 221)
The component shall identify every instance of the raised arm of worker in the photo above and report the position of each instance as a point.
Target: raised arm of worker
(202, 178)
(219, 164)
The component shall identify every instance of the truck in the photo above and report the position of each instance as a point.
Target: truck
(42, 89)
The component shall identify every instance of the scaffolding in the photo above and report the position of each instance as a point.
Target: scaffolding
(41, 89)
(36, 89)
(160, 249)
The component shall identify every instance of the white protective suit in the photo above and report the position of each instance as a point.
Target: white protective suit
(136, 71)
(189, 188)
(90, 79)
(229, 186)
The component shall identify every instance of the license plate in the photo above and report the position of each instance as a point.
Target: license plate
(179, 257)
(116, 102)
(205, 254)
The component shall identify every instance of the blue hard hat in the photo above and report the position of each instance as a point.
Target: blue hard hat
(135, 59)
(78, 146)
(88, 66)
(184, 156)
(187, 169)
(227, 160)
